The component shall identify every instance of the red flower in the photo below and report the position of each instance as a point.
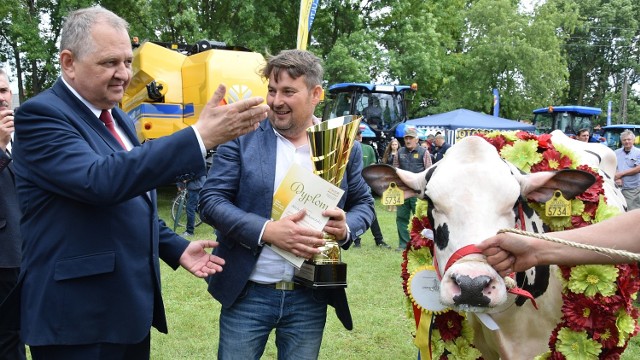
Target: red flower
(557, 356)
(498, 142)
(554, 336)
(612, 354)
(565, 272)
(552, 160)
(628, 283)
(523, 135)
(577, 221)
(590, 208)
(449, 324)
(608, 304)
(418, 241)
(541, 166)
(594, 191)
(578, 312)
(608, 337)
(405, 277)
(544, 141)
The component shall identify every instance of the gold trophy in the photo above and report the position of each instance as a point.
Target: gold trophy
(330, 143)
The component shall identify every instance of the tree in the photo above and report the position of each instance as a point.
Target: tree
(416, 51)
(29, 34)
(503, 49)
(603, 46)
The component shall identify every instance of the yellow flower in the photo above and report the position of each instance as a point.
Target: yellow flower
(522, 154)
(594, 279)
(576, 345)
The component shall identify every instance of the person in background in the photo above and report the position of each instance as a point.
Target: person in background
(256, 289)
(628, 173)
(509, 252)
(92, 239)
(416, 159)
(369, 158)
(390, 157)
(11, 347)
(430, 142)
(368, 153)
(440, 148)
(193, 184)
(583, 135)
(373, 113)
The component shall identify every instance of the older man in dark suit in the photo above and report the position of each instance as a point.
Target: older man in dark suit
(92, 238)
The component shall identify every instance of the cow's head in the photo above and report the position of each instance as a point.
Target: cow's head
(472, 193)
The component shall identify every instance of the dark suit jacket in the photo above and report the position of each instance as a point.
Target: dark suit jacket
(237, 199)
(10, 241)
(92, 237)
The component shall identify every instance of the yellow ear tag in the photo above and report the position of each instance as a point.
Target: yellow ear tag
(557, 206)
(393, 196)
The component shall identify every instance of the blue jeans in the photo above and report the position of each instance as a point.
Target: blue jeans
(192, 205)
(298, 316)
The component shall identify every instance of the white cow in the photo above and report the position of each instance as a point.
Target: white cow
(471, 194)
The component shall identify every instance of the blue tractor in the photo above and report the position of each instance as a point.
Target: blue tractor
(569, 119)
(382, 108)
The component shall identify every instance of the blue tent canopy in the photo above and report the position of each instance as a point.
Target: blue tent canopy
(467, 119)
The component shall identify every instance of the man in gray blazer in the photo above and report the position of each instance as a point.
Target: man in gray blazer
(237, 199)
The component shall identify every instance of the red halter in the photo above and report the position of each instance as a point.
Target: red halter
(472, 249)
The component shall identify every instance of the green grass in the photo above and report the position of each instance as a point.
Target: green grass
(381, 327)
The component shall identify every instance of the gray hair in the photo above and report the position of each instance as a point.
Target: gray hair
(4, 73)
(78, 26)
(296, 63)
(627, 133)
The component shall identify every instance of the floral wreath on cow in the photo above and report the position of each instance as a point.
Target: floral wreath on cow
(598, 316)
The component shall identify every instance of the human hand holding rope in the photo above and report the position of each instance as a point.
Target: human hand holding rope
(608, 242)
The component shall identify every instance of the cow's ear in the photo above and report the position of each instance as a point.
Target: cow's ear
(540, 186)
(415, 182)
(380, 176)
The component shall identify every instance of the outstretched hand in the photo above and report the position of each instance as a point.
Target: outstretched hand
(218, 124)
(198, 261)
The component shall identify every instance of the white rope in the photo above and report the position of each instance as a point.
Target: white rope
(607, 251)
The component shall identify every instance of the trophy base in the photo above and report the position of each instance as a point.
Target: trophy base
(322, 276)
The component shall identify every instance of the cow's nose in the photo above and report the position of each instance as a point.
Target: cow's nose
(471, 290)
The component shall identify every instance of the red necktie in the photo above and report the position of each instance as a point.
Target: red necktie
(106, 118)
